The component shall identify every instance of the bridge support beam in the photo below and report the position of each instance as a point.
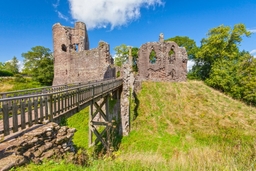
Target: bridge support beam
(100, 124)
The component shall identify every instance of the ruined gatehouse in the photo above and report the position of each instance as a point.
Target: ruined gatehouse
(162, 61)
(73, 61)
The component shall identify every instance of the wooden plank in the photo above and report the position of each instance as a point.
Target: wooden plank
(15, 116)
(107, 107)
(99, 137)
(41, 110)
(69, 95)
(46, 108)
(100, 110)
(54, 106)
(66, 102)
(22, 114)
(50, 104)
(6, 119)
(78, 100)
(90, 126)
(36, 109)
(30, 113)
(58, 104)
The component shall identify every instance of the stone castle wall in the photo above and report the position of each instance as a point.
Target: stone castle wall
(169, 64)
(73, 61)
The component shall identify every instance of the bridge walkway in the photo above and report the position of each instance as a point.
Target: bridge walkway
(20, 110)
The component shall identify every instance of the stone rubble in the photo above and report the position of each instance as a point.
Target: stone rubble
(50, 140)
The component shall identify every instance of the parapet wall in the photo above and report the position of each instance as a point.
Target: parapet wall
(162, 61)
(73, 61)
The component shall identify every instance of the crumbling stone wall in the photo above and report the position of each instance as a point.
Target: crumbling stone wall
(73, 61)
(41, 143)
(168, 64)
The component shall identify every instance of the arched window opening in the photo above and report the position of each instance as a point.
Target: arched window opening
(171, 56)
(173, 74)
(64, 48)
(152, 57)
(76, 47)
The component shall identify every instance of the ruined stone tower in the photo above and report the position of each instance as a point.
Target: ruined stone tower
(73, 61)
(162, 61)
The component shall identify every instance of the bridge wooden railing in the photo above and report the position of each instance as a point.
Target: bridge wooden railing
(21, 111)
(46, 89)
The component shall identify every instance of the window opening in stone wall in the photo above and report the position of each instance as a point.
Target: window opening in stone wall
(64, 48)
(152, 57)
(173, 74)
(76, 47)
(171, 56)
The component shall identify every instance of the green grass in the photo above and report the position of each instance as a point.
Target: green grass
(13, 84)
(178, 126)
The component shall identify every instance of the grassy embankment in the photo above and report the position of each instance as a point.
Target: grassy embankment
(180, 126)
(17, 83)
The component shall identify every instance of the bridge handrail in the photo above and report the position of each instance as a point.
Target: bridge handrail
(86, 85)
(46, 89)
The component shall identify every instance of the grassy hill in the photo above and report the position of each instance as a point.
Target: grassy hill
(179, 126)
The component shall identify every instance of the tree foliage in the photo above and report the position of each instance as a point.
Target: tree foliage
(135, 51)
(12, 65)
(38, 63)
(122, 56)
(189, 44)
(221, 44)
(221, 64)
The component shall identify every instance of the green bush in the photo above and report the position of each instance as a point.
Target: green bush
(4, 73)
(19, 78)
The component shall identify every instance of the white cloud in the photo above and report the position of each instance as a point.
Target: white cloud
(56, 4)
(190, 64)
(20, 65)
(252, 30)
(101, 13)
(60, 15)
(253, 52)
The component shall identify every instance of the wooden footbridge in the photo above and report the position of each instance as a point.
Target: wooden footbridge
(20, 110)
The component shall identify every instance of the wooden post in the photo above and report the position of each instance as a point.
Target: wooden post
(6, 119)
(29, 112)
(15, 116)
(90, 122)
(107, 108)
(78, 99)
(50, 105)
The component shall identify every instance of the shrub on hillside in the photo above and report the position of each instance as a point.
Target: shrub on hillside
(4, 73)
(19, 78)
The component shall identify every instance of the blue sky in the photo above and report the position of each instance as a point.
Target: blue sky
(28, 23)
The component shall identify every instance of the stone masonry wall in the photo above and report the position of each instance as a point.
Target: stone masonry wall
(169, 64)
(41, 143)
(73, 61)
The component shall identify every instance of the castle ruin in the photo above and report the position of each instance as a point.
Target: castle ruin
(162, 61)
(73, 61)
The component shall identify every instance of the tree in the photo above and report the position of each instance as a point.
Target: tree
(220, 63)
(12, 65)
(2, 67)
(38, 63)
(221, 44)
(189, 44)
(122, 54)
(134, 59)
